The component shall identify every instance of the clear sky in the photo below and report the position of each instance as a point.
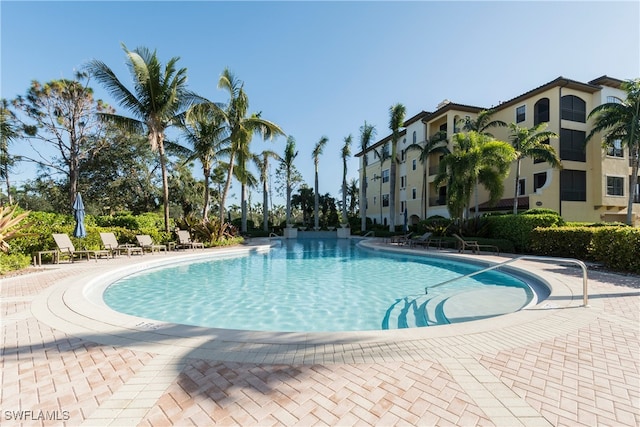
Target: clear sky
(323, 68)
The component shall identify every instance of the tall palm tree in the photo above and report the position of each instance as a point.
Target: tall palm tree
(246, 179)
(290, 154)
(367, 134)
(621, 122)
(262, 162)
(206, 133)
(474, 157)
(345, 154)
(315, 154)
(530, 142)
(383, 155)
(8, 132)
(160, 96)
(352, 192)
(480, 124)
(437, 144)
(396, 121)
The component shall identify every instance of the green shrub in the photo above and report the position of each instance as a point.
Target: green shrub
(13, 262)
(567, 242)
(618, 248)
(518, 228)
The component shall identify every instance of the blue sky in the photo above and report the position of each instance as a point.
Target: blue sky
(323, 68)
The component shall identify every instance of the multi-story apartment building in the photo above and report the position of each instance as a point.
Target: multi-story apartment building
(592, 184)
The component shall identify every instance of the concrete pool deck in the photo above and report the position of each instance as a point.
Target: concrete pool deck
(67, 360)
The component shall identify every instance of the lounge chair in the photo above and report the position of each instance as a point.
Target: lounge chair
(402, 240)
(146, 243)
(424, 240)
(473, 245)
(111, 244)
(184, 240)
(66, 249)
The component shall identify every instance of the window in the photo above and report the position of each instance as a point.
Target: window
(442, 195)
(573, 185)
(402, 203)
(403, 181)
(572, 144)
(573, 108)
(539, 180)
(385, 200)
(615, 186)
(415, 137)
(385, 175)
(541, 111)
(414, 194)
(615, 149)
(520, 114)
(403, 155)
(414, 164)
(374, 200)
(614, 100)
(521, 187)
(385, 151)
(443, 127)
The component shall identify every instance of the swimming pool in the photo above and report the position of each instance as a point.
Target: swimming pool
(317, 285)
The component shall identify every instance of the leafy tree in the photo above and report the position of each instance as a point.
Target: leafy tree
(62, 114)
(352, 192)
(160, 96)
(530, 142)
(621, 122)
(396, 121)
(185, 189)
(263, 166)
(8, 132)
(345, 153)
(482, 122)
(474, 156)
(329, 211)
(288, 173)
(315, 154)
(367, 134)
(207, 136)
(437, 144)
(303, 200)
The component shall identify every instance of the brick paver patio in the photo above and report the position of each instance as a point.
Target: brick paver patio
(68, 362)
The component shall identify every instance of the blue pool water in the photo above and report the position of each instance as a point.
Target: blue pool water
(317, 285)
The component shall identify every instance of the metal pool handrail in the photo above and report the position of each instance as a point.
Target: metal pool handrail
(582, 265)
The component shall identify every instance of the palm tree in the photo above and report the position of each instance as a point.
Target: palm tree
(352, 192)
(367, 134)
(262, 162)
(345, 154)
(482, 122)
(207, 134)
(246, 179)
(315, 154)
(396, 121)
(474, 157)
(159, 97)
(290, 154)
(8, 132)
(434, 145)
(621, 122)
(530, 142)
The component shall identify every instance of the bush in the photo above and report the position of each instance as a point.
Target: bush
(518, 228)
(618, 248)
(568, 242)
(13, 262)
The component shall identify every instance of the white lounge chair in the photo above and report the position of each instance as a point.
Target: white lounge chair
(111, 244)
(146, 243)
(184, 240)
(66, 249)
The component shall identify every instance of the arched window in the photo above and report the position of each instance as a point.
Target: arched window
(415, 139)
(541, 111)
(573, 108)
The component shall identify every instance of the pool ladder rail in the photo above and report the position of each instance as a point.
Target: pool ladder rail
(585, 296)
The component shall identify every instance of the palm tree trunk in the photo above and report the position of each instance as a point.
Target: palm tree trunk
(227, 185)
(205, 208)
(344, 192)
(265, 205)
(392, 194)
(363, 199)
(165, 187)
(633, 184)
(243, 207)
(316, 203)
(515, 196)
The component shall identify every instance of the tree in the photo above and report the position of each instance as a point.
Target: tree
(437, 144)
(367, 134)
(530, 142)
(474, 157)
(290, 173)
(353, 192)
(303, 200)
(621, 122)
(206, 133)
(345, 153)
(263, 167)
(160, 96)
(315, 154)
(241, 126)
(396, 121)
(246, 179)
(8, 133)
(62, 115)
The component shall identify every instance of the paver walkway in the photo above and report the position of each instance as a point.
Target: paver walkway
(65, 363)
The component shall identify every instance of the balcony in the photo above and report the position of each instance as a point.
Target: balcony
(437, 201)
(433, 170)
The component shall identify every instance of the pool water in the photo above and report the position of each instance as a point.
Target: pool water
(317, 285)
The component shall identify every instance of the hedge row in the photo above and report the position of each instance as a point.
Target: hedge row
(518, 228)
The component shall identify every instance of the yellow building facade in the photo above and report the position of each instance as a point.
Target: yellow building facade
(592, 185)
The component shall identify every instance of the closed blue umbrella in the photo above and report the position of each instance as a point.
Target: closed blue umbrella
(78, 214)
(406, 222)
